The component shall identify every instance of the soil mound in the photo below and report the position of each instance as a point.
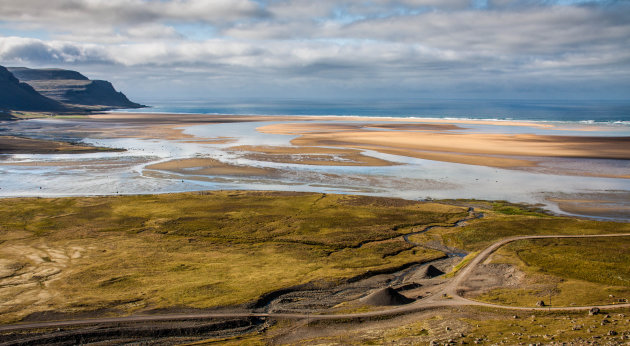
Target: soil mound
(386, 296)
(430, 271)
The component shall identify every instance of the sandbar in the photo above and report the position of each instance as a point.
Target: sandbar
(208, 166)
(444, 140)
(613, 204)
(309, 156)
(20, 145)
(165, 118)
(494, 150)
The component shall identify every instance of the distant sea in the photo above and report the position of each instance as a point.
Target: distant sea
(533, 110)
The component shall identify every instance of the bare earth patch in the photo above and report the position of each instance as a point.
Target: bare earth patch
(611, 204)
(437, 143)
(310, 156)
(27, 272)
(207, 166)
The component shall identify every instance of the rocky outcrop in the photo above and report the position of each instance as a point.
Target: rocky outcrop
(100, 92)
(73, 88)
(15, 95)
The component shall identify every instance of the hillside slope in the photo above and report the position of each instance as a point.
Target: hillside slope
(15, 95)
(73, 88)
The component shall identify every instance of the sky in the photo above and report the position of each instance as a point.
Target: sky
(325, 49)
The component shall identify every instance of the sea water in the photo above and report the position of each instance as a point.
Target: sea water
(125, 172)
(583, 111)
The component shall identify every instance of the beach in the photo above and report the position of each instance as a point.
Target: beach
(413, 158)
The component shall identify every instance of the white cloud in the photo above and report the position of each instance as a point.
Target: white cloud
(75, 15)
(26, 50)
(152, 31)
(394, 42)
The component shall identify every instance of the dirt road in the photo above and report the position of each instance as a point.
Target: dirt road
(451, 289)
(448, 296)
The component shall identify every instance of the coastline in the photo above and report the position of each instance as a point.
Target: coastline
(406, 158)
(441, 140)
(581, 110)
(21, 145)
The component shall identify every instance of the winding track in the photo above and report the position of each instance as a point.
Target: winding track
(434, 301)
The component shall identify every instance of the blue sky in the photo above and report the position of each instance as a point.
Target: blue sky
(323, 49)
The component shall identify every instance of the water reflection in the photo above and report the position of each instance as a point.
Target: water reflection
(125, 172)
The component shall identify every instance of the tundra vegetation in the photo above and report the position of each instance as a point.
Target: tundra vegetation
(118, 255)
(196, 249)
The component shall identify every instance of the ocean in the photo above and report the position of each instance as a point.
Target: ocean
(585, 111)
(125, 172)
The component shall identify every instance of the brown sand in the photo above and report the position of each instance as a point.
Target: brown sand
(603, 204)
(159, 118)
(310, 156)
(152, 131)
(19, 145)
(495, 150)
(312, 127)
(431, 139)
(207, 166)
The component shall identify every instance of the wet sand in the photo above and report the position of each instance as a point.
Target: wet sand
(309, 156)
(378, 156)
(207, 166)
(493, 150)
(431, 139)
(613, 205)
(338, 125)
(19, 145)
(165, 118)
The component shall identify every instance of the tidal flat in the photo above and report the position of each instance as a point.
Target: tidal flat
(293, 230)
(551, 164)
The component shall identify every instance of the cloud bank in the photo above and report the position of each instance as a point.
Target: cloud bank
(446, 47)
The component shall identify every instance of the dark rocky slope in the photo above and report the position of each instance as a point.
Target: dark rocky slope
(15, 95)
(73, 88)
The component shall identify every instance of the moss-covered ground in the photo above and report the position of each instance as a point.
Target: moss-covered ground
(502, 220)
(465, 326)
(566, 272)
(195, 249)
(128, 253)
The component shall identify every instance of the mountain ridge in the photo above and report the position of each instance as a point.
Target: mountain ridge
(73, 88)
(16, 95)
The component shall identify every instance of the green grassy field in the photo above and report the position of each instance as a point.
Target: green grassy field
(502, 220)
(548, 327)
(466, 326)
(195, 249)
(129, 253)
(566, 271)
(40, 115)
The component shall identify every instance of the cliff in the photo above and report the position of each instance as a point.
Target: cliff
(25, 74)
(73, 88)
(15, 95)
